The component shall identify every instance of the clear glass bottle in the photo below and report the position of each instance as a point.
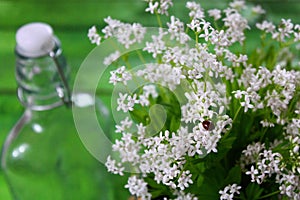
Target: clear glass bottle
(43, 157)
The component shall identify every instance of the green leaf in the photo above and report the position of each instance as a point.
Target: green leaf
(174, 124)
(253, 191)
(234, 176)
(200, 180)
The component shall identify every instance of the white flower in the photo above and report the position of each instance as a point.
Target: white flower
(160, 6)
(126, 102)
(152, 7)
(94, 36)
(184, 196)
(120, 75)
(150, 90)
(215, 13)
(266, 26)
(238, 4)
(113, 167)
(163, 74)
(111, 58)
(194, 25)
(265, 123)
(258, 10)
(229, 191)
(124, 125)
(128, 149)
(126, 34)
(138, 187)
(196, 12)
(253, 173)
(285, 30)
(246, 104)
(184, 180)
(157, 46)
(176, 30)
(236, 25)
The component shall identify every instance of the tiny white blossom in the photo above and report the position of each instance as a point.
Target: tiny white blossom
(184, 180)
(152, 7)
(258, 10)
(94, 36)
(269, 27)
(111, 58)
(238, 4)
(138, 187)
(124, 125)
(253, 173)
(196, 12)
(120, 75)
(150, 90)
(126, 102)
(229, 191)
(113, 167)
(215, 13)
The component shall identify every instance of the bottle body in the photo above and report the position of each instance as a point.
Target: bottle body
(43, 157)
(46, 160)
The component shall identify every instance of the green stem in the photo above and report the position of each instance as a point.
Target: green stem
(263, 134)
(269, 195)
(141, 57)
(236, 114)
(158, 19)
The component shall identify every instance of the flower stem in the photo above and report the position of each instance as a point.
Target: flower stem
(141, 57)
(236, 114)
(158, 19)
(269, 195)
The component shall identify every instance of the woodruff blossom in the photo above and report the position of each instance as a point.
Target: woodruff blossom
(176, 30)
(138, 187)
(126, 34)
(159, 6)
(215, 13)
(120, 75)
(164, 74)
(113, 167)
(258, 10)
(218, 85)
(111, 58)
(229, 191)
(126, 102)
(94, 36)
(196, 12)
(236, 25)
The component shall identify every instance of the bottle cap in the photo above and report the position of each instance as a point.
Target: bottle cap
(35, 39)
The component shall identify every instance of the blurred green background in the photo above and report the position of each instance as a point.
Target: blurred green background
(70, 20)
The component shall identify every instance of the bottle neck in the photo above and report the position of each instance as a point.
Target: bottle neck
(40, 86)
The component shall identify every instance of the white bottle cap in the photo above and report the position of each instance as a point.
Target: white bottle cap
(35, 39)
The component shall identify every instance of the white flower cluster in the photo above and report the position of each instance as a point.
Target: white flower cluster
(279, 86)
(126, 34)
(94, 37)
(159, 6)
(266, 164)
(111, 58)
(284, 31)
(229, 191)
(138, 187)
(200, 70)
(120, 75)
(164, 74)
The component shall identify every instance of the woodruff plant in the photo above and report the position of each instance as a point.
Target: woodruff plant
(233, 128)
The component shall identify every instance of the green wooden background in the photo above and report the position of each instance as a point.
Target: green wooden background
(70, 20)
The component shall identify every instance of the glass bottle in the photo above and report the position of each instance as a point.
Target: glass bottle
(43, 157)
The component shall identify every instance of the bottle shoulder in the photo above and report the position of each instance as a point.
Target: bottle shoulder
(43, 140)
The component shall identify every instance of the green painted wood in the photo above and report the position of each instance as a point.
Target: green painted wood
(71, 20)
